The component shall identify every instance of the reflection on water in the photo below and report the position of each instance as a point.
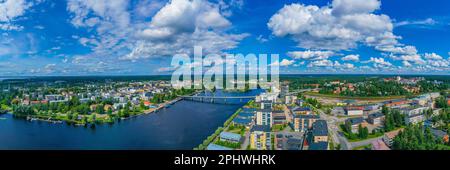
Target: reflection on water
(182, 126)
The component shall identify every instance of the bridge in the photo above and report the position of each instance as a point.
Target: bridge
(229, 99)
(218, 99)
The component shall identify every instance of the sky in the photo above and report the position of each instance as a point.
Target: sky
(140, 37)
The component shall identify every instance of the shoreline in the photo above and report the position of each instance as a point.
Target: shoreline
(60, 121)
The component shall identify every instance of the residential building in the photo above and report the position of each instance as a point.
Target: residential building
(267, 96)
(294, 144)
(246, 115)
(279, 117)
(302, 122)
(376, 118)
(421, 101)
(54, 97)
(414, 119)
(260, 138)
(290, 99)
(118, 106)
(372, 107)
(388, 137)
(397, 103)
(230, 137)
(440, 135)
(354, 110)
(242, 121)
(266, 104)
(317, 137)
(355, 122)
(379, 145)
(410, 111)
(264, 117)
(284, 90)
(302, 111)
(320, 131)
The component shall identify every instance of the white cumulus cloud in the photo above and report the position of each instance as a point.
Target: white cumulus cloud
(340, 26)
(310, 55)
(351, 57)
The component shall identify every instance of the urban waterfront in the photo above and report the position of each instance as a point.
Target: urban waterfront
(181, 126)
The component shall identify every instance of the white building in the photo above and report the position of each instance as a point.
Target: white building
(267, 96)
(414, 111)
(290, 99)
(414, 119)
(354, 111)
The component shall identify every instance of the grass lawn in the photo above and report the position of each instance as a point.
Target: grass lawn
(369, 137)
(236, 130)
(357, 139)
(5, 107)
(277, 128)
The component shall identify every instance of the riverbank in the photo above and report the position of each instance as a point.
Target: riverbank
(182, 126)
(94, 118)
(210, 139)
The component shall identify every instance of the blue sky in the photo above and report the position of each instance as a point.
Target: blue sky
(125, 37)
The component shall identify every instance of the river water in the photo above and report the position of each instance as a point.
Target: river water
(182, 126)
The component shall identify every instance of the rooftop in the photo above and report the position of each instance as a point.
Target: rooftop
(376, 115)
(248, 110)
(245, 114)
(264, 110)
(318, 146)
(354, 108)
(300, 109)
(379, 145)
(230, 136)
(392, 134)
(320, 128)
(242, 121)
(307, 116)
(438, 133)
(260, 128)
(356, 120)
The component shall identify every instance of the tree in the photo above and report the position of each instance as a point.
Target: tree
(23, 110)
(398, 118)
(328, 111)
(389, 122)
(363, 132)
(415, 137)
(142, 105)
(109, 111)
(384, 110)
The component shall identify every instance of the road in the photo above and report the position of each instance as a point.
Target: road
(333, 128)
(365, 142)
(246, 142)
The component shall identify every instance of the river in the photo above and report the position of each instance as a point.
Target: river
(182, 126)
